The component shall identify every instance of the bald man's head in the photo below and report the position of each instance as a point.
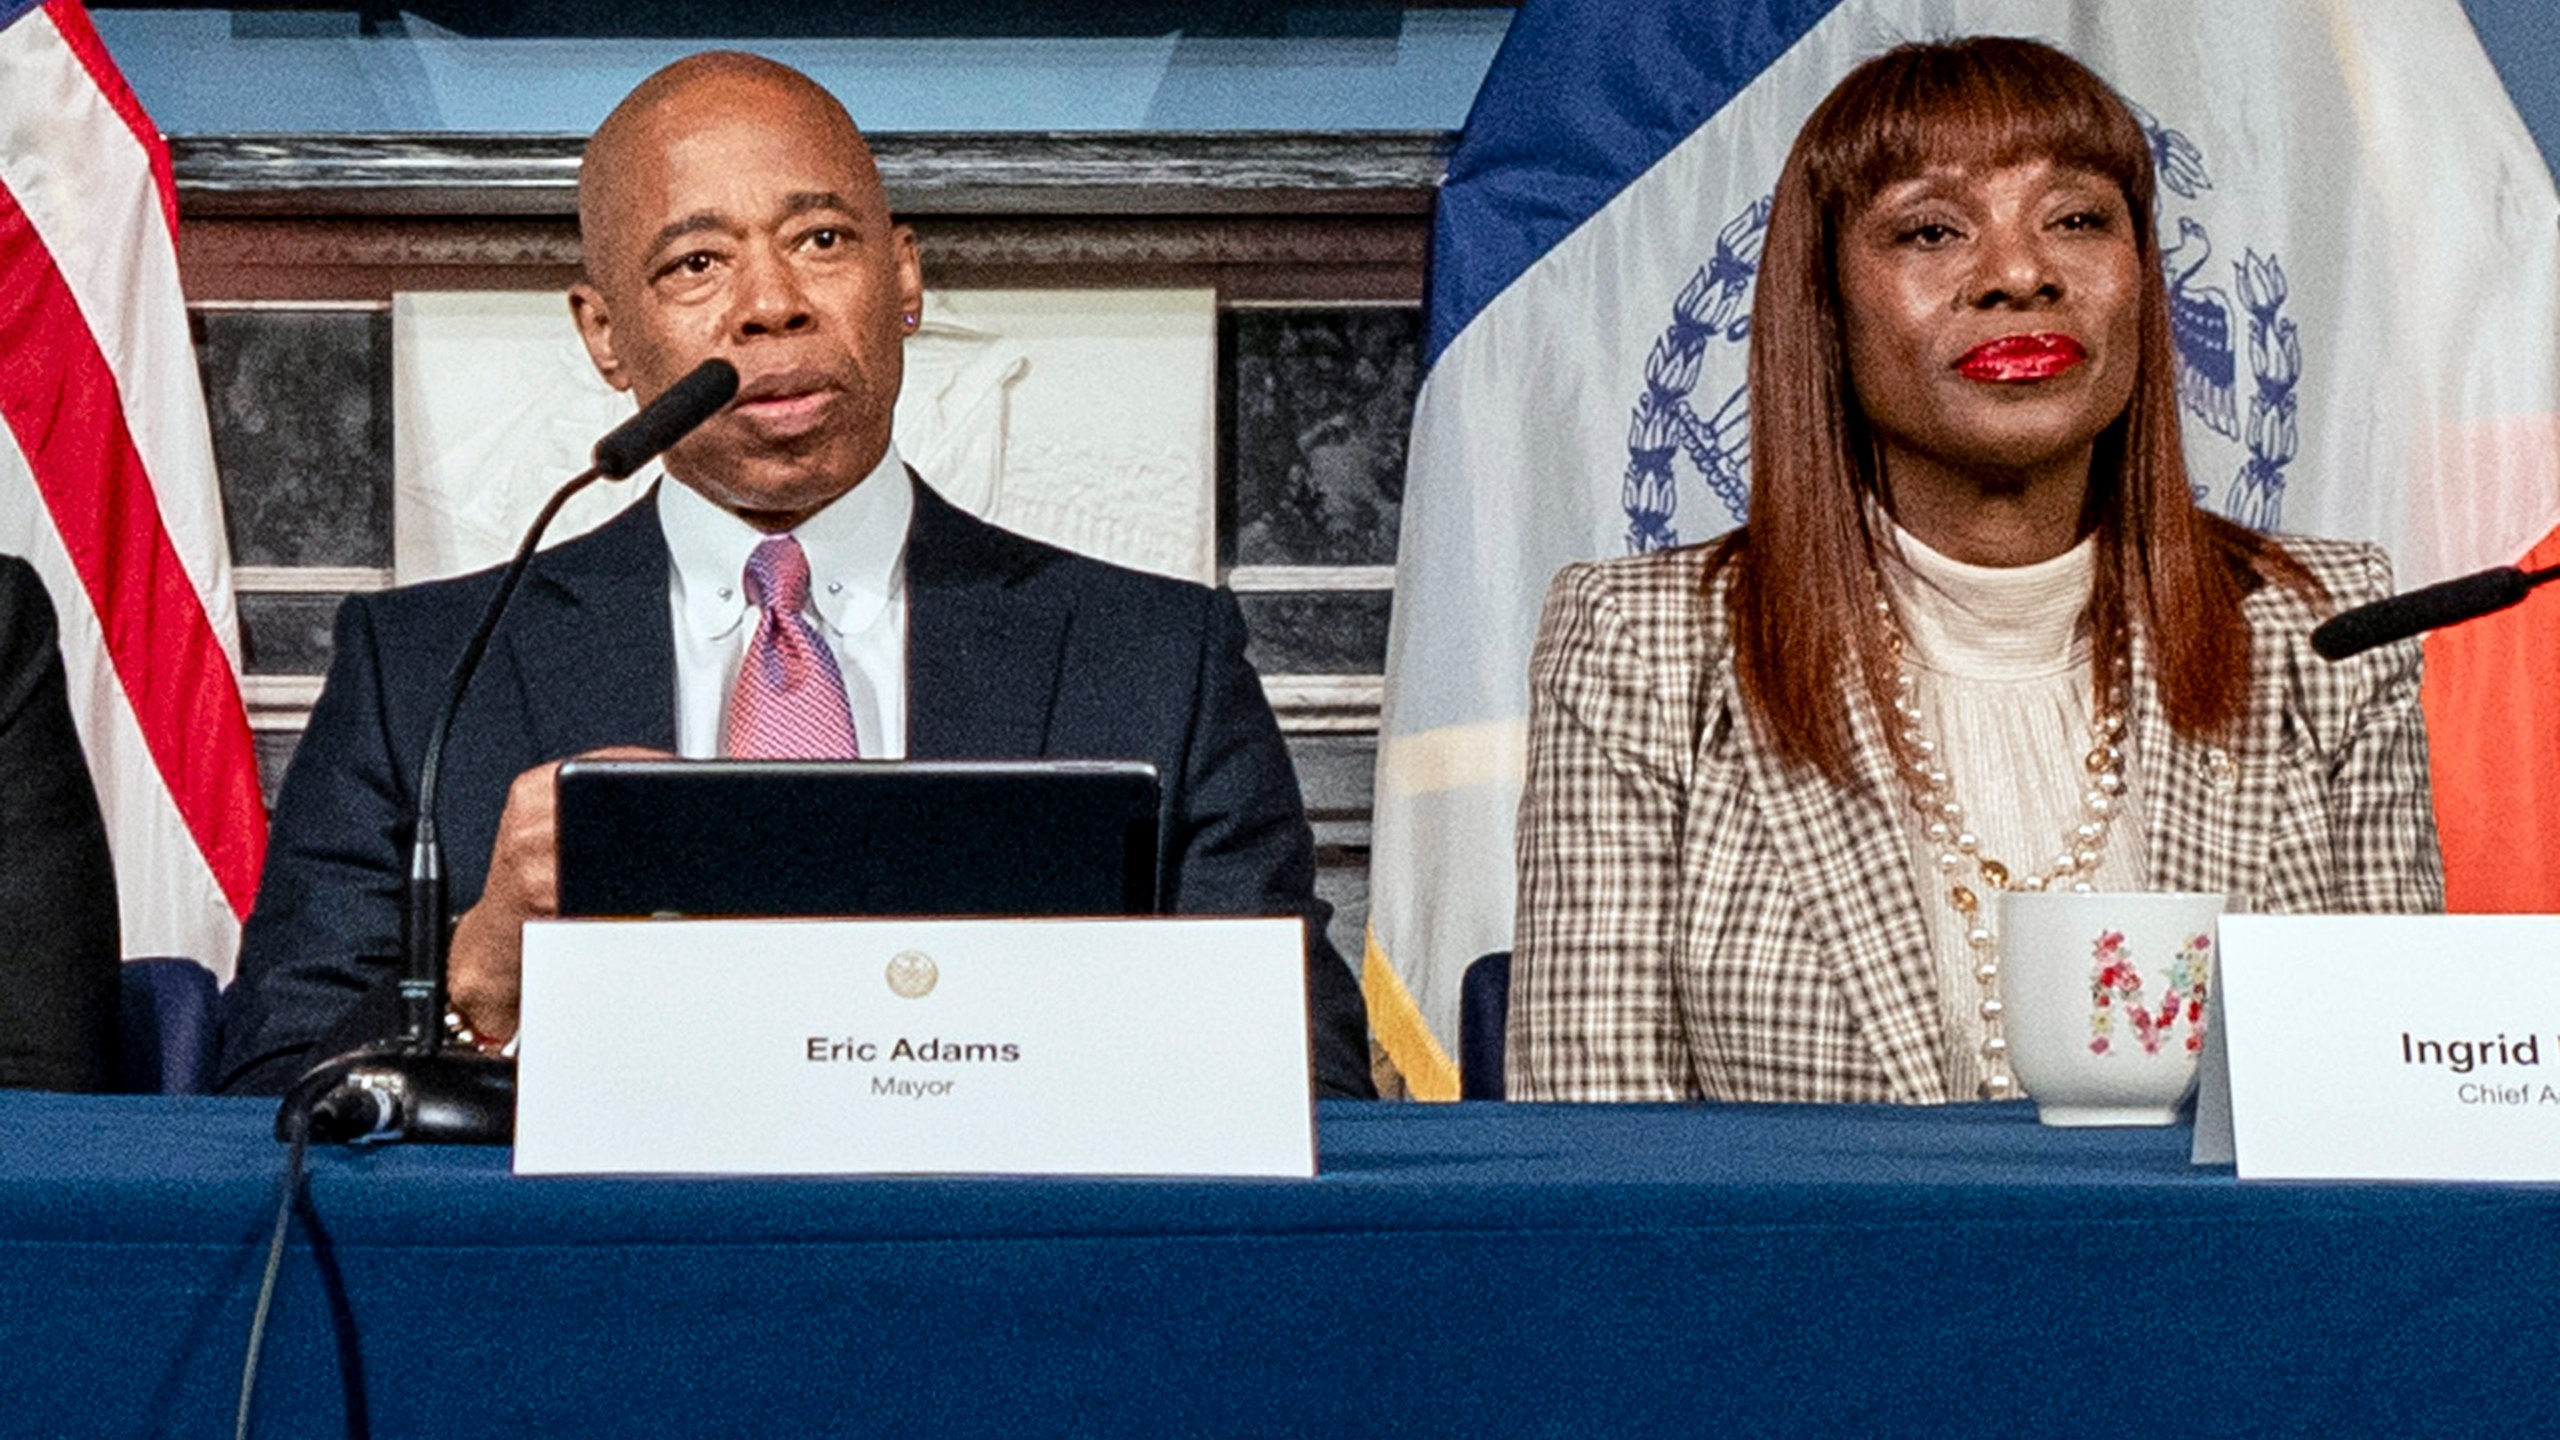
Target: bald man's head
(679, 97)
(729, 207)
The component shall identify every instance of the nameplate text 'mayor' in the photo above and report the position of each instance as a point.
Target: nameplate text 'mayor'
(931, 1046)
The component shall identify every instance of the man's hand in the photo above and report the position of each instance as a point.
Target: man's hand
(485, 973)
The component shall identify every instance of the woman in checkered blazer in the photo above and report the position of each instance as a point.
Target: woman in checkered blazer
(1975, 636)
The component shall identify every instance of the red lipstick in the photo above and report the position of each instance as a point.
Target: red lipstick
(2014, 358)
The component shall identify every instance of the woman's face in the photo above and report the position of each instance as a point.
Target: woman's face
(1992, 319)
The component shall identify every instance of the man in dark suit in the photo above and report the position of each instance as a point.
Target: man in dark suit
(58, 948)
(728, 207)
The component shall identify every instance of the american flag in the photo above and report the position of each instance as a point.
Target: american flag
(107, 483)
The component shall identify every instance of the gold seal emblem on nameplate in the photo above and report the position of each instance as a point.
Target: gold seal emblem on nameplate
(912, 974)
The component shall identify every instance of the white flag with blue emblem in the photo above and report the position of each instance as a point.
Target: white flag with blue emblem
(2363, 247)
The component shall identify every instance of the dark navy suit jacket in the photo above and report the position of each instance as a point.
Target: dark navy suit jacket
(1015, 650)
(58, 929)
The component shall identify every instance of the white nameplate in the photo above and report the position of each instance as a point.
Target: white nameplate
(2393, 1047)
(838, 1047)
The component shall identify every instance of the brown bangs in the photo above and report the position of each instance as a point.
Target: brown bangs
(1985, 102)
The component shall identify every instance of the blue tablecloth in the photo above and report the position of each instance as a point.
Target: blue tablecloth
(1456, 1271)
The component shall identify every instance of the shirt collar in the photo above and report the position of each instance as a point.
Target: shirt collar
(1992, 621)
(856, 547)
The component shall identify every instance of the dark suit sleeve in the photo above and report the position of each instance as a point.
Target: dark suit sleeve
(1242, 846)
(58, 935)
(326, 929)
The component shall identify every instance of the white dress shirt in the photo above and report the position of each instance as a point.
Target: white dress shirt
(857, 550)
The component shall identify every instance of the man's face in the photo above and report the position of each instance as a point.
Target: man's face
(738, 216)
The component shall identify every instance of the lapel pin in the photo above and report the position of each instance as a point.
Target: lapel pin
(2221, 771)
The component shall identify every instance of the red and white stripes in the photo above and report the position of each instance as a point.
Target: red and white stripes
(107, 483)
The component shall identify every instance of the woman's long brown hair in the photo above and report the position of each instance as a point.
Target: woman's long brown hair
(1803, 569)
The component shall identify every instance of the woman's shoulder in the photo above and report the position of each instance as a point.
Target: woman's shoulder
(2350, 572)
(1658, 605)
(1659, 580)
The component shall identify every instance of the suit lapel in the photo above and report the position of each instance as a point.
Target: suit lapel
(2210, 803)
(983, 647)
(1844, 854)
(591, 642)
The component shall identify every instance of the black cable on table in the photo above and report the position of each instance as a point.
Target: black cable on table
(286, 1192)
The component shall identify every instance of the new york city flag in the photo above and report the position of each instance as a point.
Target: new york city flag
(2360, 239)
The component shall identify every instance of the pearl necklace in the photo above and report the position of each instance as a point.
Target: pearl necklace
(1959, 851)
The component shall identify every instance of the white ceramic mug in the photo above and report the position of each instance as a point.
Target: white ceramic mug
(2103, 1000)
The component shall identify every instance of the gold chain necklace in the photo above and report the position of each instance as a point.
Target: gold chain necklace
(1958, 851)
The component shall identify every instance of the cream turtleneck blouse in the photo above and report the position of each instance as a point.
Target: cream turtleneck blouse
(2001, 662)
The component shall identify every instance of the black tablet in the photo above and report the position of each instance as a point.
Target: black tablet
(857, 837)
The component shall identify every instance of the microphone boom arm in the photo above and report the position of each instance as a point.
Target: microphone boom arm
(409, 1087)
(2431, 607)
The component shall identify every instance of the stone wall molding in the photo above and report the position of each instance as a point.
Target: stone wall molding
(927, 174)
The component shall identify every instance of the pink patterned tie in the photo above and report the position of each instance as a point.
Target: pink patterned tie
(789, 702)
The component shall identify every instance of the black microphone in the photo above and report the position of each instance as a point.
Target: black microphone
(411, 1088)
(2448, 602)
(664, 421)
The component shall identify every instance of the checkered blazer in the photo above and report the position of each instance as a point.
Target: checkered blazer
(1697, 919)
